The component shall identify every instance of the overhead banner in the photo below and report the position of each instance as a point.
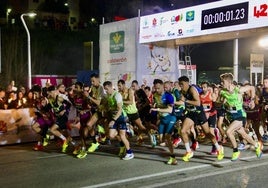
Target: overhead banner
(211, 18)
(118, 51)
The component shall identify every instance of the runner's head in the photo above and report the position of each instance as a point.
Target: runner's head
(227, 79)
(121, 84)
(184, 83)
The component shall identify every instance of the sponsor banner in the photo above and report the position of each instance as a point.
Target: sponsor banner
(118, 51)
(42, 80)
(211, 18)
(156, 63)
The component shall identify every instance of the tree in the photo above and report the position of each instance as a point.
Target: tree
(54, 6)
(14, 57)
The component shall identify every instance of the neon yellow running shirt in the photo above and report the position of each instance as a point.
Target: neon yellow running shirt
(233, 102)
(129, 108)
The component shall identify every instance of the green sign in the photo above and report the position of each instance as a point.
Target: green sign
(117, 42)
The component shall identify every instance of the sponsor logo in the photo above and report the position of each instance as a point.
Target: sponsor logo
(154, 22)
(175, 19)
(170, 33)
(190, 16)
(180, 32)
(117, 42)
(146, 36)
(159, 35)
(190, 30)
(163, 20)
(117, 60)
(145, 23)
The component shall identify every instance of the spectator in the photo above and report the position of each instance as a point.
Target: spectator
(3, 104)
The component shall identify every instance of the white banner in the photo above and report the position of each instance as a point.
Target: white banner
(156, 63)
(217, 17)
(118, 51)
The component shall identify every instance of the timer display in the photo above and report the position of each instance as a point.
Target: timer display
(225, 16)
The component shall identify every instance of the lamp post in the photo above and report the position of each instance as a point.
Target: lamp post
(29, 47)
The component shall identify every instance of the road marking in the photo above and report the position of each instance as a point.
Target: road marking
(52, 156)
(180, 170)
(206, 175)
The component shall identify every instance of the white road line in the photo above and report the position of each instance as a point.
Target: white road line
(52, 156)
(206, 175)
(180, 170)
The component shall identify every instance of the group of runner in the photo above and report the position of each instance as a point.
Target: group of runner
(167, 113)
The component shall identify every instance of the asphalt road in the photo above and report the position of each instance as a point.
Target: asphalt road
(20, 166)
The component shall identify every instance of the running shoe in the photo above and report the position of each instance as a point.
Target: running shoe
(45, 141)
(213, 150)
(163, 144)
(64, 146)
(220, 154)
(101, 129)
(122, 151)
(128, 156)
(102, 139)
(82, 154)
(93, 147)
(235, 156)
(38, 147)
(140, 140)
(241, 147)
(152, 139)
(77, 150)
(172, 161)
(259, 150)
(188, 156)
(176, 142)
(195, 145)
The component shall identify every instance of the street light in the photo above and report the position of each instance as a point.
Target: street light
(263, 42)
(29, 47)
(8, 12)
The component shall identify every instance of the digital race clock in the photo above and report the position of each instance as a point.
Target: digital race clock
(225, 16)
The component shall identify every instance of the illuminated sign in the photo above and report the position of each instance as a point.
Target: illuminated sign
(210, 18)
(225, 16)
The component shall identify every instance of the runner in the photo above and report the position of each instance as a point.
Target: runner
(264, 112)
(206, 98)
(81, 103)
(60, 109)
(233, 103)
(129, 106)
(117, 120)
(220, 112)
(144, 105)
(195, 115)
(95, 96)
(44, 120)
(164, 104)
